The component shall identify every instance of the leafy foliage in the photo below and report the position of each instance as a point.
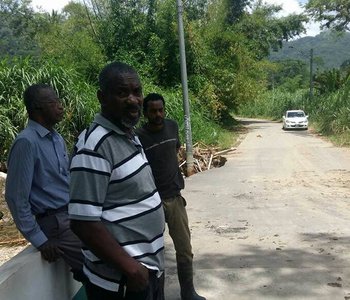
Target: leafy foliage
(334, 14)
(330, 81)
(16, 75)
(17, 28)
(227, 46)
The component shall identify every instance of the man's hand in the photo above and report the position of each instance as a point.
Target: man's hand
(50, 251)
(138, 278)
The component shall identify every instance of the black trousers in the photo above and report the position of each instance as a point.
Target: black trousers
(154, 291)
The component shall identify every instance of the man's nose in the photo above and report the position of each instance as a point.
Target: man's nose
(60, 105)
(134, 98)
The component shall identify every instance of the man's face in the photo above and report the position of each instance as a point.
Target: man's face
(155, 112)
(49, 107)
(122, 104)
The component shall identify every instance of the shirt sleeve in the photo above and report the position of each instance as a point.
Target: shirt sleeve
(17, 192)
(90, 174)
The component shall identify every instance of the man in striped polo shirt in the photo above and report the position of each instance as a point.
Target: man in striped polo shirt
(115, 208)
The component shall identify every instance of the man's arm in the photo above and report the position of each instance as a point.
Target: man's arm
(99, 240)
(18, 185)
(17, 192)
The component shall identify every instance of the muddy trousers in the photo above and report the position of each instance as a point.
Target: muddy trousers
(177, 220)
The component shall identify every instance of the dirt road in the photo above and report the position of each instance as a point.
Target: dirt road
(273, 223)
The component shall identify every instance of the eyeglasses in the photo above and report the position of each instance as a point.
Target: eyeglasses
(51, 102)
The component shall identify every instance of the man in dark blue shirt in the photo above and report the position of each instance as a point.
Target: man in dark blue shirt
(37, 185)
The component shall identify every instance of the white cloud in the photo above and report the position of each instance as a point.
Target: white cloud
(49, 5)
(294, 6)
(288, 6)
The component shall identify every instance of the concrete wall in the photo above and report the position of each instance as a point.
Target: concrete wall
(27, 276)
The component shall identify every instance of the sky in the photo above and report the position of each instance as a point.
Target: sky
(295, 6)
(289, 6)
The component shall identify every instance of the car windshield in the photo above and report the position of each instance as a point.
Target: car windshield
(295, 114)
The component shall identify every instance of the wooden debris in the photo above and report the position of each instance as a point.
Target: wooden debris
(205, 157)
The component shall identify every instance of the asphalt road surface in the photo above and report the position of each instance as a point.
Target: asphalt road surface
(273, 223)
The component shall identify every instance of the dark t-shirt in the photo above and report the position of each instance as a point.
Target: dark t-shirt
(161, 151)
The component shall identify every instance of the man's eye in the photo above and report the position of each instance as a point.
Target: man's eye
(138, 92)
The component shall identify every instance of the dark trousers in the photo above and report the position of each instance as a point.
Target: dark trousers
(154, 291)
(57, 227)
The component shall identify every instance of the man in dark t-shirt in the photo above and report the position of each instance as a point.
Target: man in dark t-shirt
(160, 140)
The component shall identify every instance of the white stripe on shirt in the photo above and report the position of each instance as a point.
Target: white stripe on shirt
(90, 162)
(128, 168)
(82, 209)
(141, 248)
(131, 210)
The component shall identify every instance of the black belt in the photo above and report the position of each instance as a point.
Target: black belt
(52, 211)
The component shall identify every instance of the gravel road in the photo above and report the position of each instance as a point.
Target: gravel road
(273, 223)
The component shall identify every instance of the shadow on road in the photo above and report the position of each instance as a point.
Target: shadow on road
(280, 272)
(254, 121)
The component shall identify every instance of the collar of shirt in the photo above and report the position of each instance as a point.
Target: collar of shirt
(101, 120)
(41, 130)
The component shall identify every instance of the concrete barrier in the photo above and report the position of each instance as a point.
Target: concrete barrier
(28, 276)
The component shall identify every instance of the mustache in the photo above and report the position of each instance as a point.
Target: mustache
(133, 106)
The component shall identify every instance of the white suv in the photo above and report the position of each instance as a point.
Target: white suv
(295, 119)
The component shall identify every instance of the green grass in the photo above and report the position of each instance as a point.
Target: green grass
(79, 99)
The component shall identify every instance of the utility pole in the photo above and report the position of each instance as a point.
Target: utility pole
(311, 73)
(186, 106)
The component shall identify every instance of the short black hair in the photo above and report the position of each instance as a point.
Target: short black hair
(110, 72)
(32, 94)
(152, 97)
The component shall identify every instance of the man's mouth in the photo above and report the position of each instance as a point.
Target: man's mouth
(134, 112)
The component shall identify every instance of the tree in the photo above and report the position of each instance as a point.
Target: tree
(291, 73)
(330, 81)
(264, 31)
(17, 28)
(334, 13)
(69, 39)
(235, 10)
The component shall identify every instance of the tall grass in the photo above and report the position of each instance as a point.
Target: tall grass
(273, 104)
(329, 114)
(79, 98)
(16, 75)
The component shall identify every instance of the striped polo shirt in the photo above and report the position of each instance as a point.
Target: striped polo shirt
(112, 182)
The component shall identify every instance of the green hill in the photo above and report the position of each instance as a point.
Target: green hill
(330, 50)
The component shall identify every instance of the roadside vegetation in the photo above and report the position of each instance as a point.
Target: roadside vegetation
(328, 109)
(227, 46)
